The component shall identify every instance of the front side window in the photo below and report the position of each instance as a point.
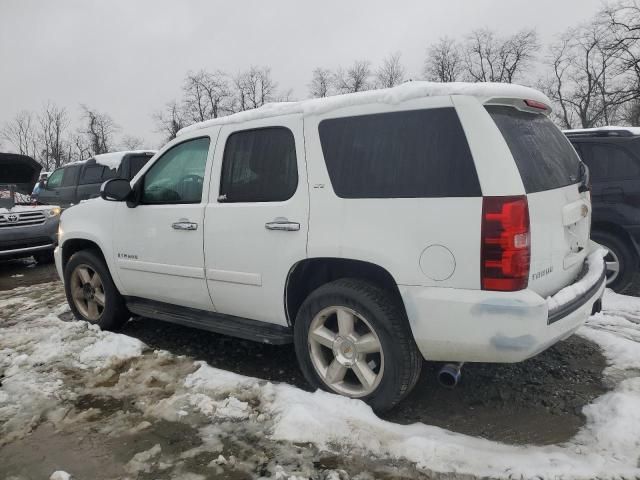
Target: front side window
(177, 176)
(259, 166)
(55, 179)
(409, 154)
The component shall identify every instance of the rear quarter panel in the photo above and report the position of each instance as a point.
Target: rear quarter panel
(393, 232)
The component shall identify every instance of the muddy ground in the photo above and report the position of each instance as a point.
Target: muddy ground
(535, 402)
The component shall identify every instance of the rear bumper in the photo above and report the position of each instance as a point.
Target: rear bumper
(503, 327)
(22, 241)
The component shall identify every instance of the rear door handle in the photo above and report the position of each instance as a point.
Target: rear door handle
(184, 225)
(282, 224)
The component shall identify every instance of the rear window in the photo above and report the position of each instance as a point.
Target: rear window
(544, 156)
(136, 162)
(410, 154)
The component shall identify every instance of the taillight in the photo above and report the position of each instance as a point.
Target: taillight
(506, 243)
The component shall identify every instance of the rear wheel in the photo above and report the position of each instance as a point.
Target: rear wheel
(620, 260)
(353, 338)
(91, 293)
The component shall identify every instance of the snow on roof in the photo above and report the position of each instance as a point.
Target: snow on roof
(113, 159)
(631, 130)
(401, 93)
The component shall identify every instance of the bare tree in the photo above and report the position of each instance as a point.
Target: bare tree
(488, 58)
(391, 73)
(623, 20)
(322, 83)
(131, 142)
(444, 61)
(206, 95)
(588, 81)
(100, 130)
(170, 120)
(356, 78)
(53, 122)
(254, 88)
(78, 147)
(21, 133)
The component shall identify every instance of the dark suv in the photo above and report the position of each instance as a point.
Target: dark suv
(78, 181)
(613, 157)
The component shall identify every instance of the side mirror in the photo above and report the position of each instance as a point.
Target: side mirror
(115, 190)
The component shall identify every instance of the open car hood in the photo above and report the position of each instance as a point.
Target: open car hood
(19, 170)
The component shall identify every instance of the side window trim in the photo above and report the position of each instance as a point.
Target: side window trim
(139, 185)
(220, 196)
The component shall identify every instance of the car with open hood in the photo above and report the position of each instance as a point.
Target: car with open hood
(25, 229)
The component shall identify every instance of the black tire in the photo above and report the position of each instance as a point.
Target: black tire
(623, 251)
(114, 313)
(385, 314)
(44, 257)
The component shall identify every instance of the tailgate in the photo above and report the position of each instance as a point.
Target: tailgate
(560, 223)
(559, 205)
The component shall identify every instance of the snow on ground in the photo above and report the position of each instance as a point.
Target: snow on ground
(49, 365)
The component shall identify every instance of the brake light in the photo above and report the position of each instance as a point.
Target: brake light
(506, 245)
(535, 104)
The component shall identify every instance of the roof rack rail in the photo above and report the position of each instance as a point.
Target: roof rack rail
(604, 132)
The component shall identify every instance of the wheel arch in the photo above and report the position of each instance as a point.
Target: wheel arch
(618, 231)
(307, 275)
(73, 245)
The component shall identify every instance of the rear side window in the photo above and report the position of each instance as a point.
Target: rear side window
(544, 156)
(96, 174)
(259, 166)
(410, 154)
(609, 162)
(70, 177)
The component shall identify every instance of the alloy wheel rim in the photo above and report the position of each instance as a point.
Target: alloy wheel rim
(612, 263)
(346, 351)
(87, 292)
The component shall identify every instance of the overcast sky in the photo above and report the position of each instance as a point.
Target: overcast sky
(129, 57)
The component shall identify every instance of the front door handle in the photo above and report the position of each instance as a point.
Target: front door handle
(184, 225)
(282, 224)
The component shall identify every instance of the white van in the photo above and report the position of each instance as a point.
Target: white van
(441, 221)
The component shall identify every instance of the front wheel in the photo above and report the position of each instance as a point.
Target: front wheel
(91, 293)
(353, 338)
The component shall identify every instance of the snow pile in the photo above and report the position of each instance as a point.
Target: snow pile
(391, 96)
(36, 348)
(60, 475)
(113, 159)
(595, 263)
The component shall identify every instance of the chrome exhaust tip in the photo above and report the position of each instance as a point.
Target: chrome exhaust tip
(450, 374)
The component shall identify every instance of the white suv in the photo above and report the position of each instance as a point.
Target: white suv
(441, 221)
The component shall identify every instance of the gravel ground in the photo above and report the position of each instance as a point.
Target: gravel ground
(534, 402)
